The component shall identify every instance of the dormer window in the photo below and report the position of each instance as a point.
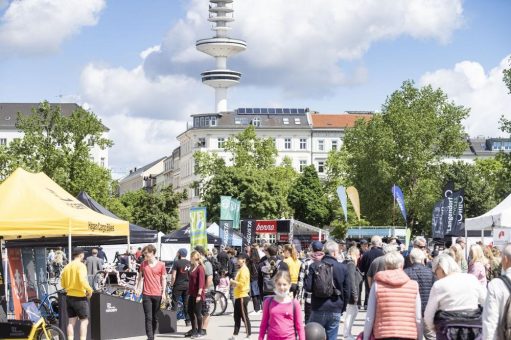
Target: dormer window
(256, 122)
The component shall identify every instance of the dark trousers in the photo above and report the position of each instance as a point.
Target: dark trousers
(256, 301)
(195, 312)
(183, 294)
(240, 313)
(151, 305)
(360, 285)
(294, 290)
(307, 308)
(367, 289)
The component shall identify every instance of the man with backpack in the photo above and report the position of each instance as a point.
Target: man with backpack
(497, 308)
(268, 267)
(328, 281)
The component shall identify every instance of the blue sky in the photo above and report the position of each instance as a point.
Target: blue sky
(328, 55)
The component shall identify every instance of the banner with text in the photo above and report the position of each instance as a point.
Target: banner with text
(17, 280)
(437, 223)
(355, 200)
(198, 233)
(236, 206)
(400, 199)
(230, 210)
(266, 226)
(41, 270)
(30, 273)
(225, 232)
(248, 230)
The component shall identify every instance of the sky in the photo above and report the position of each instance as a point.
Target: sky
(134, 63)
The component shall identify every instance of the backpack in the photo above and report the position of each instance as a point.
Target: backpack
(217, 268)
(505, 321)
(323, 280)
(269, 270)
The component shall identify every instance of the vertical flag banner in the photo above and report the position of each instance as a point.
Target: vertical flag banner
(400, 199)
(460, 214)
(30, 273)
(248, 231)
(355, 200)
(41, 270)
(341, 192)
(408, 237)
(437, 223)
(198, 234)
(225, 232)
(225, 208)
(17, 281)
(236, 207)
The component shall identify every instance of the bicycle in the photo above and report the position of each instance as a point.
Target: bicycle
(48, 305)
(217, 302)
(168, 304)
(35, 328)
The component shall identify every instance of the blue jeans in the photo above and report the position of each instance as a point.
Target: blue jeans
(330, 321)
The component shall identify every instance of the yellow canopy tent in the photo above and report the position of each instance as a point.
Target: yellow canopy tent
(33, 206)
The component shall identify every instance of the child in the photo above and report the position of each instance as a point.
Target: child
(282, 315)
(223, 284)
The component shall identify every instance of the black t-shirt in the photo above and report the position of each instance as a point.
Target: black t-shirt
(182, 268)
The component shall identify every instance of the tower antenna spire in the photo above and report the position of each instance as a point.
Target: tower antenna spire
(221, 47)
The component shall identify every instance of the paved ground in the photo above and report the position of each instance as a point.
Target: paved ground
(221, 327)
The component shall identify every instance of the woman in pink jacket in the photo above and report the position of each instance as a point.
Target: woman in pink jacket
(477, 266)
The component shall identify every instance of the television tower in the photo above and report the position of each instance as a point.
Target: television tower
(221, 47)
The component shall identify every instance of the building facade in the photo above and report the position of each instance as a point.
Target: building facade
(9, 132)
(142, 178)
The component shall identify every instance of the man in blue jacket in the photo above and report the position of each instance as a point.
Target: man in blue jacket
(327, 311)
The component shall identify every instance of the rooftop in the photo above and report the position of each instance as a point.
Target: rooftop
(337, 120)
(139, 171)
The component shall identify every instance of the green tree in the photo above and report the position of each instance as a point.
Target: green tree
(403, 145)
(253, 177)
(308, 199)
(60, 147)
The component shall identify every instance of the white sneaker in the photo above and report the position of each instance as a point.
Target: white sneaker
(255, 313)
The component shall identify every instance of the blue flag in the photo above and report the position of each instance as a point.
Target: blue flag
(341, 192)
(400, 199)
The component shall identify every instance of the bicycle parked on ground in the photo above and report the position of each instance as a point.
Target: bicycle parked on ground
(35, 328)
(48, 305)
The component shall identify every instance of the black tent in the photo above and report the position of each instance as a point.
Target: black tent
(183, 236)
(138, 234)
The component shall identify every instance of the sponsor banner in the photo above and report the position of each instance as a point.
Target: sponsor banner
(225, 208)
(30, 273)
(355, 200)
(501, 237)
(266, 226)
(284, 226)
(437, 223)
(400, 199)
(17, 280)
(248, 230)
(315, 237)
(41, 270)
(341, 193)
(302, 237)
(236, 206)
(283, 237)
(198, 234)
(225, 232)
(458, 227)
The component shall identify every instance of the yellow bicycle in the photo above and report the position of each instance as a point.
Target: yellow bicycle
(35, 328)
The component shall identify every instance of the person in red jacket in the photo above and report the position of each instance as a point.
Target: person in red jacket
(196, 294)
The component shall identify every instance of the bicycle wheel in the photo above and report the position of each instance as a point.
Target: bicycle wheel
(54, 332)
(210, 303)
(220, 302)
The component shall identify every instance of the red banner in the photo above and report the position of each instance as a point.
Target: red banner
(315, 237)
(266, 227)
(284, 237)
(18, 292)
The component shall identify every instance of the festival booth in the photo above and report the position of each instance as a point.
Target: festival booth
(35, 212)
(178, 239)
(498, 220)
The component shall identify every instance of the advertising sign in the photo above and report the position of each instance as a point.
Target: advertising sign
(266, 226)
(501, 237)
(198, 233)
(41, 270)
(248, 231)
(18, 293)
(225, 232)
(30, 273)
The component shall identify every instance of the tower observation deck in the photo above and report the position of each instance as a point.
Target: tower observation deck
(221, 47)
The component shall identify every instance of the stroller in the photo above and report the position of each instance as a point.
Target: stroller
(459, 325)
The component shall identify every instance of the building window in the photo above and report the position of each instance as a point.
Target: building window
(196, 122)
(196, 192)
(298, 121)
(285, 121)
(303, 144)
(3, 141)
(287, 144)
(213, 121)
(201, 143)
(256, 122)
(321, 145)
(303, 164)
(201, 121)
(334, 144)
(237, 121)
(321, 167)
(221, 143)
(103, 162)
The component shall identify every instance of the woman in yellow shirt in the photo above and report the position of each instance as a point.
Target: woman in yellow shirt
(241, 297)
(294, 264)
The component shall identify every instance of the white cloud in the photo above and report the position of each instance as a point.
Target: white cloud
(484, 92)
(40, 26)
(302, 44)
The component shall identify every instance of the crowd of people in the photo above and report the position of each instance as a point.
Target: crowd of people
(439, 293)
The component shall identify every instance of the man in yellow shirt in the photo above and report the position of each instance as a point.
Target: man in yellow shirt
(74, 281)
(241, 297)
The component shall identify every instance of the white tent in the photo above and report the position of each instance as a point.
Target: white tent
(498, 217)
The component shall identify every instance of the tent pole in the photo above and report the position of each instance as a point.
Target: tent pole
(466, 246)
(6, 272)
(69, 242)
